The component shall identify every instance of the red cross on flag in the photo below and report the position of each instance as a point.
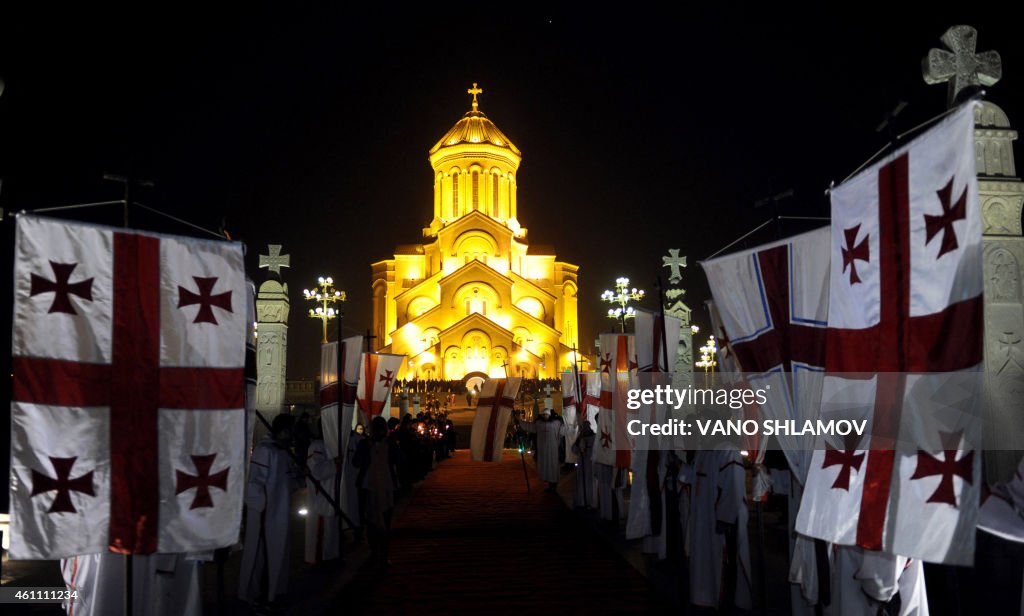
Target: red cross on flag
(331, 394)
(904, 342)
(377, 375)
(618, 370)
(127, 414)
(493, 409)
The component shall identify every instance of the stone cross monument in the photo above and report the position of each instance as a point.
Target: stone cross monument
(272, 335)
(1002, 197)
(961, 67)
(675, 307)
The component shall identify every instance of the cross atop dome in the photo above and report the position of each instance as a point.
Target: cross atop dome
(474, 91)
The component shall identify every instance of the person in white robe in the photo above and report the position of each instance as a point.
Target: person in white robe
(321, 521)
(646, 519)
(350, 486)
(685, 478)
(611, 483)
(583, 447)
(163, 584)
(549, 429)
(719, 551)
(272, 479)
(377, 460)
(865, 582)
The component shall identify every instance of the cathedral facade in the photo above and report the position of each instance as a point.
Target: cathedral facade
(474, 299)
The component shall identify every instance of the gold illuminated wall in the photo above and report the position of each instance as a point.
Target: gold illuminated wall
(473, 296)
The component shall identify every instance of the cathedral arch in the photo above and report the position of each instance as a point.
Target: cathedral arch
(453, 366)
(476, 351)
(431, 336)
(548, 358)
(531, 306)
(427, 371)
(477, 298)
(417, 306)
(569, 289)
(475, 245)
(521, 336)
(499, 359)
(380, 311)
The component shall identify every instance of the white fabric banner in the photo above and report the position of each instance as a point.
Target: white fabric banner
(613, 445)
(377, 375)
(905, 312)
(128, 419)
(331, 395)
(772, 303)
(493, 408)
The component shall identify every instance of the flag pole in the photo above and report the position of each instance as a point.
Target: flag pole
(342, 455)
(522, 457)
(579, 414)
(129, 578)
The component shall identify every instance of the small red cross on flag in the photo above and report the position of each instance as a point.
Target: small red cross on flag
(104, 342)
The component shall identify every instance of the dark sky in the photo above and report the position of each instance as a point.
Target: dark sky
(311, 128)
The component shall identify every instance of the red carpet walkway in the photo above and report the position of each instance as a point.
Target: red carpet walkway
(472, 541)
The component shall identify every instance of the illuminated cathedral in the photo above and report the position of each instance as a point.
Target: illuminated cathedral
(474, 299)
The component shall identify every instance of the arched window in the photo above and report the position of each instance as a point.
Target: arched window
(531, 306)
(455, 194)
(494, 195)
(476, 190)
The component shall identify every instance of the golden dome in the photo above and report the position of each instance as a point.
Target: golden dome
(475, 127)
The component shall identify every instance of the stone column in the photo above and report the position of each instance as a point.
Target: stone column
(683, 376)
(1002, 198)
(271, 347)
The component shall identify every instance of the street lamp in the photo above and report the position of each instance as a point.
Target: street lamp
(620, 298)
(707, 355)
(324, 296)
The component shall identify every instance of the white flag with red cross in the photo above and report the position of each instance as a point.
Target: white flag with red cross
(904, 338)
(377, 375)
(335, 397)
(493, 409)
(613, 445)
(656, 352)
(581, 396)
(770, 312)
(127, 414)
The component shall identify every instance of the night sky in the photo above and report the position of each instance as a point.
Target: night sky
(311, 129)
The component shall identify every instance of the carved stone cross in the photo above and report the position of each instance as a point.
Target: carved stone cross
(673, 261)
(275, 260)
(961, 67)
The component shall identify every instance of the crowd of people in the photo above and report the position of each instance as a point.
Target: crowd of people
(389, 457)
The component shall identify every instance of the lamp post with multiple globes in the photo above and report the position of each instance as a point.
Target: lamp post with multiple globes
(621, 298)
(707, 355)
(324, 296)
